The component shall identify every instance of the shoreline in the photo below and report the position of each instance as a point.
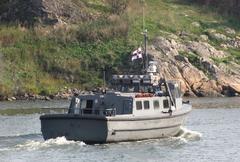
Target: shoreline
(69, 95)
(56, 103)
(27, 107)
(61, 95)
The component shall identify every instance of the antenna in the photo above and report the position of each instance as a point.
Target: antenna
(145, 35)
(143, 15)
(145, 49)
(104, 78)
(144, 30)
(104, 70)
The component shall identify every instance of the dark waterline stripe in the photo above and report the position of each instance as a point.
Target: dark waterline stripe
(147, 129)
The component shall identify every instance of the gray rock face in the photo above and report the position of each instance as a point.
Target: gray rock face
(230, 31)
(217, 36)
(204, 38)
(196, 24)
(205, 50)
(208, 80)
(226, 42)
(233, 43)
(46, 11)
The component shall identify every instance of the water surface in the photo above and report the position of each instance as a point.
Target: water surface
(209, 134)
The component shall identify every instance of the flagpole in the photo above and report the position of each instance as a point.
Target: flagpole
(145, 49)
(145, 61)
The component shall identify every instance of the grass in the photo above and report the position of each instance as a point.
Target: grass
(44, 59)
(43, 65)
(235, 53)
(174, 16)
(225, 60)
(194, 59)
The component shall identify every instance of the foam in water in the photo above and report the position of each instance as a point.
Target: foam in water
(4, 149)
(186, 135)
(33, 145)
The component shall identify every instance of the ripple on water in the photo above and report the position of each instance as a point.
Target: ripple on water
(22, 141)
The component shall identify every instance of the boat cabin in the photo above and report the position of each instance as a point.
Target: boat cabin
(132, 95)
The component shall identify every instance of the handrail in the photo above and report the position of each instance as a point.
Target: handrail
(100, 112)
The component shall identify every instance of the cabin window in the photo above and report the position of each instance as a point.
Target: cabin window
(146, 104)
(165, 104)
(127, 106)
(156, 104)
(86, 104)
(139, 105)
(89, 104)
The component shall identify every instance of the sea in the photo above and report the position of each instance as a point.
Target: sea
(211, 133)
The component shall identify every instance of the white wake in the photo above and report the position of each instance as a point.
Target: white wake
(186, 135)
(34, 145)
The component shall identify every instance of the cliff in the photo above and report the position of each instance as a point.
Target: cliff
(48, 12)
(50, 47)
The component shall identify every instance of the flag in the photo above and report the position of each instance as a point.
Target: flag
(137, 54)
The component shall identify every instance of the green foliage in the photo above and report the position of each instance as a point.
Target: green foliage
(43, 59)
(44, 64)
(194, 59)
(235, 54)
(103, 29)
(225, 60)
(117, 7)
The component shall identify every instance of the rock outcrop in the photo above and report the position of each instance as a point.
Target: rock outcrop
(50, 12)
(202, 79)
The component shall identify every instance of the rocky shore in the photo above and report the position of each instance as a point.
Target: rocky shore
(199, 66)
(202, 70)
(62, 95)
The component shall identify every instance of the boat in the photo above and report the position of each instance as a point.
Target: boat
(136, 107)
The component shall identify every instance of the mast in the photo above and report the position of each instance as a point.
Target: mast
(104, 78)
(145, 49)
(145, 61)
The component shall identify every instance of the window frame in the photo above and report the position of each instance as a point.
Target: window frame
(166, 101)
(148, 105)
(154, 104)
(137, 105)
(89, 102)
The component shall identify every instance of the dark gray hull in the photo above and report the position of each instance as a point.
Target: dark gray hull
(96, 129)
(74, 127)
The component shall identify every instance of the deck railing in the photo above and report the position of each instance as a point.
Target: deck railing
(100, 112)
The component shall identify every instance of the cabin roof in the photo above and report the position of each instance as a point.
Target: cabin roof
(136, 79)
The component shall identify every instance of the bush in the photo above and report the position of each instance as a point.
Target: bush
(103, 29)
(118, 6)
